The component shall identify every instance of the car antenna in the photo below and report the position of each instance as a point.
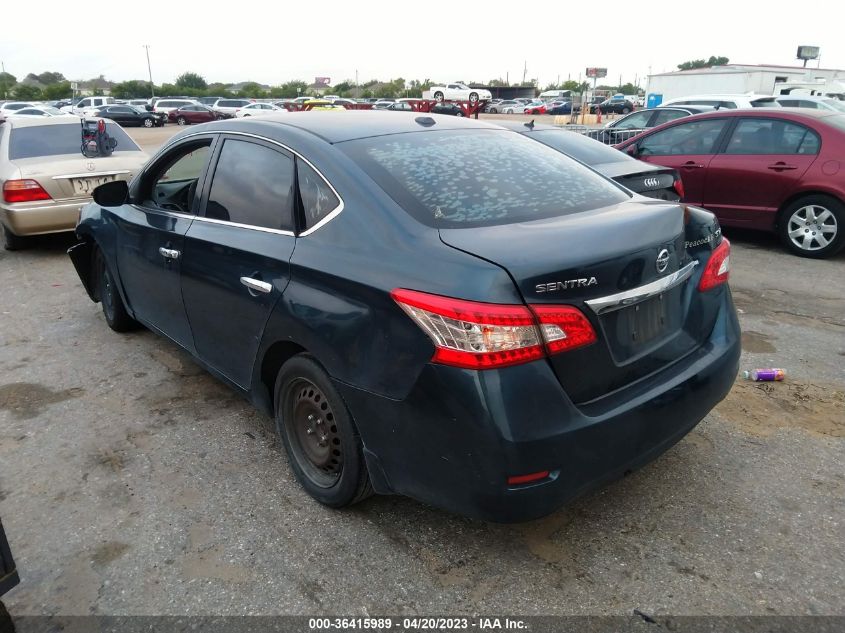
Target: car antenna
(530, 124)
(425, 121)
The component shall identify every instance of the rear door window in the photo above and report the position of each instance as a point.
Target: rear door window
(664, 116)
(58, 140)
(252, 185)
(469, 178)
(318, 199)
(772, 136)
(691, 137)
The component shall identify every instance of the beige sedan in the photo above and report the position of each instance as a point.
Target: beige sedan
(45, 179)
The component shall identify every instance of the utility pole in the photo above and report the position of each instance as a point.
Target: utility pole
(357, 89)
(524, 71)
(149, 70)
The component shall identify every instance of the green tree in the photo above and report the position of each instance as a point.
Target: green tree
(131, 89)
(344, 89)
(48, 78)
(218, 89)
(192, 81)
(56, 91)
(7, 82)
(252, 90)
(168, 90)
(700, 63)
(291, 90)
(27, 93)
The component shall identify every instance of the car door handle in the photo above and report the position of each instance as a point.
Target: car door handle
(169, 253)
(780, 166)
(692, 165)
(255, 284)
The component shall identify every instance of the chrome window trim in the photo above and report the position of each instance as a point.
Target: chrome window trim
(329, 216)
(199, 218)
(603, 305)
(93, 174)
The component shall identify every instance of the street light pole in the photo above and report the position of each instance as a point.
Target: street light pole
(149, 70)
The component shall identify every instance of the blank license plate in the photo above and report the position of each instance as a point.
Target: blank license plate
(645, 321)
(86, 186)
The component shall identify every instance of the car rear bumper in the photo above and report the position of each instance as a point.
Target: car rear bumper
(36, 218)
(458, 436)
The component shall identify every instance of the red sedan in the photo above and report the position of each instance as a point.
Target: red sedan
(192, 114)
(777, 170)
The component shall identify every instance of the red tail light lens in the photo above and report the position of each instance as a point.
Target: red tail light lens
(718, 267)
(517, 480)
(678, 186)
(477, 335)
(23, 191)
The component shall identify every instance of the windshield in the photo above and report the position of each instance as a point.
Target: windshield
(58, 140)
(581, 147)
(471, 178)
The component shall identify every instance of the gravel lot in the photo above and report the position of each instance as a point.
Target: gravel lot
(131, 482)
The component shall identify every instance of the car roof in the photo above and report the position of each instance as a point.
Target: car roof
(768, 112)
(14, 122)
(345, 125)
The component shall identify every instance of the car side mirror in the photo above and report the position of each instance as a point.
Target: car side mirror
(633, 151)
(112, 194)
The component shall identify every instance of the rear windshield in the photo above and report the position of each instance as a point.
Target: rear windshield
(469, 178)
(583, 148)
(56, 140)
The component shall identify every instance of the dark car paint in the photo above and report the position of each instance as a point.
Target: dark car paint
(441, 434)
(629, 173)
(742, 189)
(129, 118)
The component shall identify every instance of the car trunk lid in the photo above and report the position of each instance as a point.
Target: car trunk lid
(75, 176)
(605, 262)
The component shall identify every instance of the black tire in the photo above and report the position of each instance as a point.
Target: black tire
(810, 220)
(180, 120)
(12, 242)
(323, 446)
(493, 111)
(473, 97)
(459, 113)
(625, 110)
(148, 122)
(438, 96)
(114, 311)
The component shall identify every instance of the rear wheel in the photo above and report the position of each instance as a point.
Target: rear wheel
(459, 113)
(473, 97)
(114, 311)
(625, 110)
(180, 120)
(148, 123)
(438, 96)
(12, 242)
(322, 443)
(493, 111)
(813, 226)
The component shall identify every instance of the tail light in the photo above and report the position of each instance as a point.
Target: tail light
(678, 186)
(23, 191)
(718, 267)
(477, 335)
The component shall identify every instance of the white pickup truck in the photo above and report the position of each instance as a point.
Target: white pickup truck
(88, 104)
(457, 92)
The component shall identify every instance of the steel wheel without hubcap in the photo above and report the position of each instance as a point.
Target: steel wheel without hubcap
(324, 449)
(812, 227)
(315, 436)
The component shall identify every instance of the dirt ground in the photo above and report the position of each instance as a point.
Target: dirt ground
(132, 482)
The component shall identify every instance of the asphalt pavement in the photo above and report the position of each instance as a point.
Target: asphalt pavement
(132, 482)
